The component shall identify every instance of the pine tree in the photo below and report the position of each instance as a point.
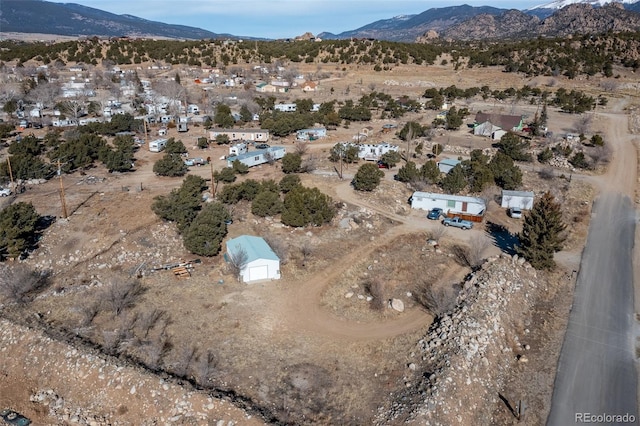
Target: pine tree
(542, 233)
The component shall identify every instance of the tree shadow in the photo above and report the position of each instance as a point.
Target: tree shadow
(502, 238)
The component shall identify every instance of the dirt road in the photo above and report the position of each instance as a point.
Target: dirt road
(596, 371)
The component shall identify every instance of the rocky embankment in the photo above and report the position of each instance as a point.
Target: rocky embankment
(456, 374)
(54, 383)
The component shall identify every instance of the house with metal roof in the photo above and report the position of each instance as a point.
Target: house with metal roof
(445, 165)
(254, 258)
(258, 156)
(508, 123)
(253, 135)
(450, 204)
(518, 199)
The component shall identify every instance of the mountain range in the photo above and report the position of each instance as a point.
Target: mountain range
(558, 18)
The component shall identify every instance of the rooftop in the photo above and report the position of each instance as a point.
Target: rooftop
(255, 247)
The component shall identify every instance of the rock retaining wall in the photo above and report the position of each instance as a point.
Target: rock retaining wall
(456, 373)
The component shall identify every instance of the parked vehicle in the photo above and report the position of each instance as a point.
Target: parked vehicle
(382, 165)
(435, 213)
(13, 418)
(262, 146)
(515, 212)
(195, 161)
(457, 222)
(5, 192)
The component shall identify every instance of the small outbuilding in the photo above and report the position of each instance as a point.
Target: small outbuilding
(254, 258)
(518, 199)
(447, 164)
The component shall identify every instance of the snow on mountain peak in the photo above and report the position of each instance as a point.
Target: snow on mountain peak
(559, 4)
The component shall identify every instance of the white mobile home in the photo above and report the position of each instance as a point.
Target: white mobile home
(157, 145)
(253, 135)
(257, 157)
(311, 134)
(258, 261)
(372, 152)
(519, 199)
(450, 204)
(237, 149)
(285, 107)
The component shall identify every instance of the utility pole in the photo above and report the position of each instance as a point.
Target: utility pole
(62, 200)
(146, 136)
(213, 181)
(13, 187)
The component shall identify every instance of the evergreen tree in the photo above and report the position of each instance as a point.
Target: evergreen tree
(207, 230)
(409, 172)
(175, 147)
(430, 172)
(542, 233)
(223, 117)
(291, 162)
(390, 159)
(266, 203)
(454, 181)
(515, 147)
(304, 206)
(367, 177)
(288, 182)
(227, 175)
(17, 229)
(454, 119)
(170, 165)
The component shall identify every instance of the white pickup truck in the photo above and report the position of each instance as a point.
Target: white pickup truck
(458, 223)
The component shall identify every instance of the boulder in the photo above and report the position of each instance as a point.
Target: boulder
(397, 305)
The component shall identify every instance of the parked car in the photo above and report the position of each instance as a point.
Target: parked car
(13, 418)
(5, 192)
(435, 213)
(515, 212)
(262, 146)
(382, 165)
(457, 222)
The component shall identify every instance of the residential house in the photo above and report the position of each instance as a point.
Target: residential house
(450, 204)
(309, 86)
(257, 157)
(254, 258)
(253, 135)
(508, 123)
(311, 134)
(285, 107)
(265, 88)
(373, 152)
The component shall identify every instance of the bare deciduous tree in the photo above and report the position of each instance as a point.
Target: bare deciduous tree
(436, 234)
(279, 247)
(122, 293)
(437, 299)
(183, 359)
(302, 148)
(378, 290)
(204, 368)
(471, 255)
(306, 250)
(19, 282)
(584, 124)
(237, 260)
(148, 320)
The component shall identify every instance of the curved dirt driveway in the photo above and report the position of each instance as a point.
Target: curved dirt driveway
(304, 309)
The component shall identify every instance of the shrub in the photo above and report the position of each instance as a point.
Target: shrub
(205, 234)
(288, 182)
(291, 162)
(367, 177)
(170, 165)
(266, 203)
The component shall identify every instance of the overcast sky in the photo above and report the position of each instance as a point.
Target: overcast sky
(281, 18)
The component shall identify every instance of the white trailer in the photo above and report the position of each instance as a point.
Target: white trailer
(157, 145)
(257, 157)
(450, 204)
(237, 149)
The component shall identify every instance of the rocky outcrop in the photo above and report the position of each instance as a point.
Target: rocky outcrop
(459, 367)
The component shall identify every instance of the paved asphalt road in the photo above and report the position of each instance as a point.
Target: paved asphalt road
(596, 372)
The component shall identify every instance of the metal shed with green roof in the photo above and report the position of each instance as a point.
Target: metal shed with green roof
(259, 261)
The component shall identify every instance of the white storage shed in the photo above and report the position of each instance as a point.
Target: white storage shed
(257, 261)
(518, 199)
